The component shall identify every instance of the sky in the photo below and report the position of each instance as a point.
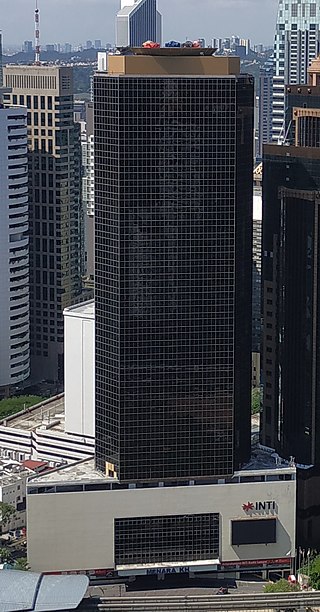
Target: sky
(79, 20)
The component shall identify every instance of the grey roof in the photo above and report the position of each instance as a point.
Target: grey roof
(31, 591)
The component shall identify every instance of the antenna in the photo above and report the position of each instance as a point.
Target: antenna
(37, 34)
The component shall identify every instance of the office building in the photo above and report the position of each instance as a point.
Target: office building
(256, 276)
(97, 44)
(14, 250)
(87, 146)
(173, 216)
(138, 21)
(291, 179)
(55, 209)
(173, 279)
(290, 419)
(27, 46)
(265, 110)
(297, 43)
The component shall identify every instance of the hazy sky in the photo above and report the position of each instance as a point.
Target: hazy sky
(79, 20)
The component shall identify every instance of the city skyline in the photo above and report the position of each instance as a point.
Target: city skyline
(254, 19)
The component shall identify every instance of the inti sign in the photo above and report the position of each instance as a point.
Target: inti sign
(260, 506)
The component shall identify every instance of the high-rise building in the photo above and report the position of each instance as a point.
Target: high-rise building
(173, 239)
(291, 181)
(87, 146)
(297, 40)
(138, 21)
(55, 210)
(173, 139)
(256, 276)
(291, 256)
(14, 250)
(265, 109)
(27, 46)
(97, 44)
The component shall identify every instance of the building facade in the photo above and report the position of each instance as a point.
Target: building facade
(256, 284)
(297, 43)
(265, 110)
(14, 250)
(55, 208)
(156, 530)
(291, 182)
(79, 369)
(138, 21)
(87, 148)
(173, 232)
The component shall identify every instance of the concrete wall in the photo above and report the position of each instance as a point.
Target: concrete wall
(79, 370)
(75, 531)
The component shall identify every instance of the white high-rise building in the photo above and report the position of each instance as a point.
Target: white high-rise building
(296, 44)
(14, 249)
(138, 21)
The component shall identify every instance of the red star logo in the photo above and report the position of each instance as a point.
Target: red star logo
(247, 507)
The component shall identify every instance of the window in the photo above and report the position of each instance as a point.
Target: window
(160, 539)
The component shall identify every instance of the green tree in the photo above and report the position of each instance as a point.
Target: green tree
(21, 564)
(6, 514)
(5, 555)
(313, 571)
(255, 401)
(281, 586)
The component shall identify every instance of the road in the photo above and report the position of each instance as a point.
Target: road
(149, 587)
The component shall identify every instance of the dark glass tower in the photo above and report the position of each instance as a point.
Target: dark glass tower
(173, 163)
(291, 258)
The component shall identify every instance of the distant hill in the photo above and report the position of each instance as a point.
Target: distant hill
(87, 55)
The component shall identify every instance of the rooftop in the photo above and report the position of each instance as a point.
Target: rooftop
(263, 459)
(83, 471)
(86, 309)
(46, 415)
(11, 471)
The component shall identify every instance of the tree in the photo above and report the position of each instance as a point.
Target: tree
(5, 555)
(255, 401)
(21, 564)
(281, 586)
(313, 571)
(6, 514)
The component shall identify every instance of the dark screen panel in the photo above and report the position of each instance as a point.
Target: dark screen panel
(254, 531)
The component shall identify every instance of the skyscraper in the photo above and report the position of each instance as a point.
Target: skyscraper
(138, 21)
(256, 276)
(265, 109)
(55, 211)
(14, 250)
(296, 44)
(291, 256)
(173, 232)
(291, 181)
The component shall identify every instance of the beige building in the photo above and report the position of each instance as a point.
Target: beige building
(56, 223)
(91, 523)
